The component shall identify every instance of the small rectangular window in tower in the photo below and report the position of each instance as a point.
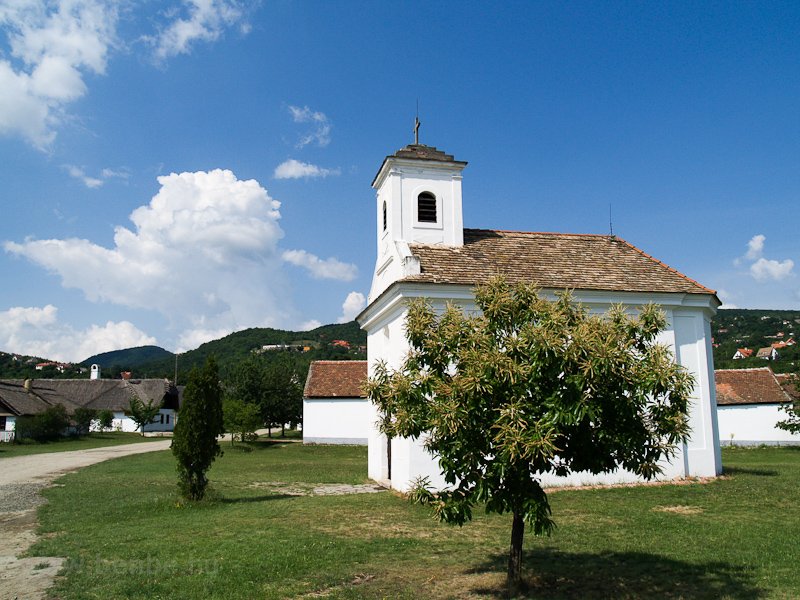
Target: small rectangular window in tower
(426, 208)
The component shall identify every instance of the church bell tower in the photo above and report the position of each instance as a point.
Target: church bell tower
(418, 201)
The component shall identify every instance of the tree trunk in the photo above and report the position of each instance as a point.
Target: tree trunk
(283, 430)
(515, 553)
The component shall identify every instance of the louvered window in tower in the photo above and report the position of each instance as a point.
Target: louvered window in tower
(384, 216)
(426, 208)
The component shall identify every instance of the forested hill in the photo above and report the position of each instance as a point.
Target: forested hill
(300, 347)
(745, 328)
(131, 357)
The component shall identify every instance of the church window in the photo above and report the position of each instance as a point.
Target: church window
(384, 215)
(426, 208)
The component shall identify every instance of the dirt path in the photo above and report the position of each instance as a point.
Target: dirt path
(21, 479)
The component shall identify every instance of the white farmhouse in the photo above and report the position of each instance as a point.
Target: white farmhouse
(33, 396)
(424, 251)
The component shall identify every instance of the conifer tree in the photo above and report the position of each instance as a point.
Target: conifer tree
(200, 422)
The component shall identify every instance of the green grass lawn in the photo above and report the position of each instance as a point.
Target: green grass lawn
(93, 440)
(127, 535)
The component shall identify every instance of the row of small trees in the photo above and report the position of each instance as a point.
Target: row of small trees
(262, 393)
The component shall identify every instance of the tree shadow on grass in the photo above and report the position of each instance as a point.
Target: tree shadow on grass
(269, 443)
(746, 471)
(252, 499)
(626, 575)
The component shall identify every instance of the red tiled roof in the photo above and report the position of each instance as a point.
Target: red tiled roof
(550, 260)
(336, 379)
(789, 384)
(748, 386)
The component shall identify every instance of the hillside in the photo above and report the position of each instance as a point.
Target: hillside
(745, 328)
(304, 346)
(20, 366)
(130, 357)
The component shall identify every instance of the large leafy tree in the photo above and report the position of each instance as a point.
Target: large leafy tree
(527, 387)
(241, 419)
(200, 422)
(272, 384)
(283, 394)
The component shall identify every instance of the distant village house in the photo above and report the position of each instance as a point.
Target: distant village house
(335, 408)
(748, 403)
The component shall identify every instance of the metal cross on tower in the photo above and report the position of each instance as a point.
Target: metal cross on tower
(416, 130)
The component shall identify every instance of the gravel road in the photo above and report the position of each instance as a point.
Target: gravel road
(21, 478)
(41, 469)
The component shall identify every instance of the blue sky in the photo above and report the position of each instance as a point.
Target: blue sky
(174, 171)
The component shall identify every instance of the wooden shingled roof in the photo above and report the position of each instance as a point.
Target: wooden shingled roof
(749, 386)
(550, 260)
(336, 379)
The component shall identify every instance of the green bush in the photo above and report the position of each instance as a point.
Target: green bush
(46, 426)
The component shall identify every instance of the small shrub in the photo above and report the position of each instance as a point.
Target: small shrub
(105, 419)
(83, 418)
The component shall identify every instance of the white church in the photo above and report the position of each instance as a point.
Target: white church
(424, 251)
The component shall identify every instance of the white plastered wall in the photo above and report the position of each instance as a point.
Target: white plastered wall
(753, 424)
(336, 421)
(123, 422)
(688, 334)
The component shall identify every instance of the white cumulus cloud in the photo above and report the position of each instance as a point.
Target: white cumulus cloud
(761, 268)
(764, 270)
(330, 268)
(755, 247)
(294, 169)
(36, 331)
(320, 132)
(352, 305)
(200, 21)
(52, 46)
(204, 252)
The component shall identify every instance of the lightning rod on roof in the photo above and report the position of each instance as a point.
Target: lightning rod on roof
(610, 222)
(416, 126)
